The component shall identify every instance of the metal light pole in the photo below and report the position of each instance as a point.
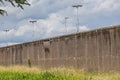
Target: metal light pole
(77, 7)
(33, 22)
(6, 31)
(66, 18)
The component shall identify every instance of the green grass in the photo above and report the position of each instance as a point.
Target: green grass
(24, 73)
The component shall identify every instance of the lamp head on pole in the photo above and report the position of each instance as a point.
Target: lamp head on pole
(6, 30)
(77, 6)
(66, 18)
(33, 21)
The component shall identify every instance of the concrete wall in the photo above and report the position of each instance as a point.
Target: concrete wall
(96, 50)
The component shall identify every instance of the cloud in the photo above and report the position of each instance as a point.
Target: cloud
(106, 6)
(84, 28)
(50, 18)
(43, 28)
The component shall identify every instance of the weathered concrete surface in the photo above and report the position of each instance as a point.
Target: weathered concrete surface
(96, 50)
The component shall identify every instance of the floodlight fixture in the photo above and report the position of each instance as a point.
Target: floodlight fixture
(33, 21)
(77, 6)
(6, 30)
(66, 18)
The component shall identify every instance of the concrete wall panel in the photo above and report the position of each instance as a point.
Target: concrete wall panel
(96, 50)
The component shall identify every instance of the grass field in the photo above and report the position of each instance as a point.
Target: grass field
(24, 73)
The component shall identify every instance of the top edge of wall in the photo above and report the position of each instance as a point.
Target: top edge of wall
(62, 36)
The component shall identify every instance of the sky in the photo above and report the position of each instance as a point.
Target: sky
(50, 16)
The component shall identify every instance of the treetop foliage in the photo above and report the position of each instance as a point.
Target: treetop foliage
(15, 3)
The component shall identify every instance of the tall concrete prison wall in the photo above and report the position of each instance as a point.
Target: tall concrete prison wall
(96, 50)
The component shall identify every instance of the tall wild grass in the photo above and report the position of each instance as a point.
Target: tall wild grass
(25, 73)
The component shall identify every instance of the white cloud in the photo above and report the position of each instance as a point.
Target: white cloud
(50, 18)
(107, 6)
(84, 28)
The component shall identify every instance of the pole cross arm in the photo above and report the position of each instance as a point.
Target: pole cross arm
(6, 30)
(66, 17)
(33, 21)
(77, 6)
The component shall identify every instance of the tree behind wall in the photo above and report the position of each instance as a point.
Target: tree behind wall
(15, 3)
